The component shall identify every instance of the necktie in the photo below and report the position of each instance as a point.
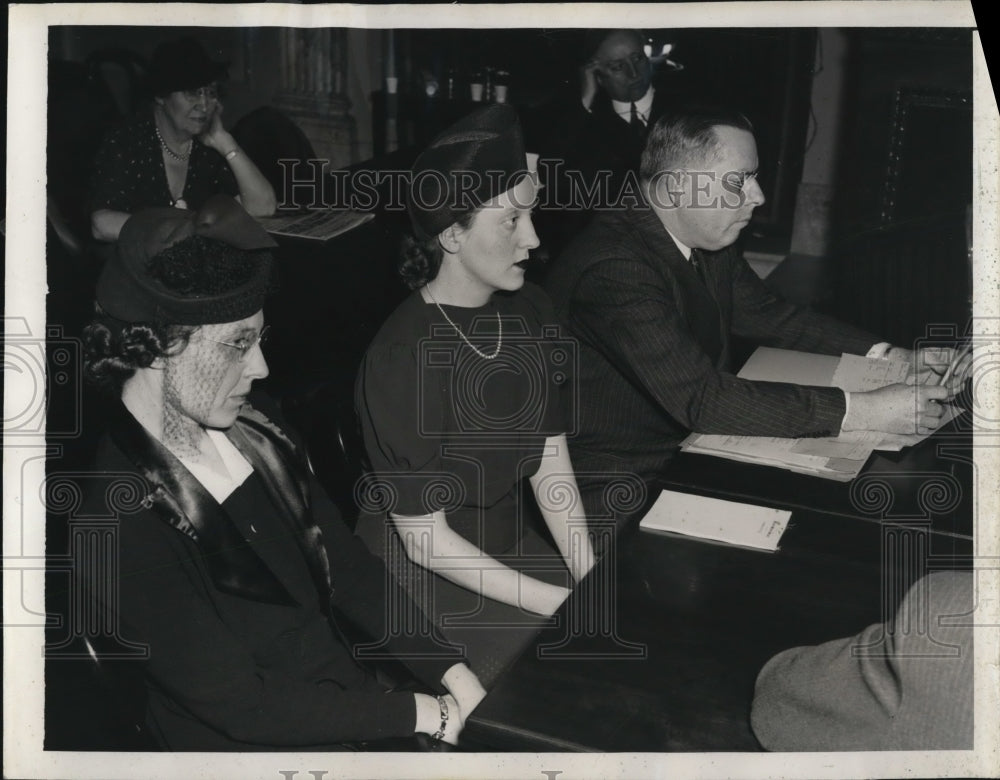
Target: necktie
(714, 339)
(636, 125)
(698, 263)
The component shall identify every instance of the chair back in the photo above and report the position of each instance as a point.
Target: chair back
(324, 416)
(269, 137)
(122, 73)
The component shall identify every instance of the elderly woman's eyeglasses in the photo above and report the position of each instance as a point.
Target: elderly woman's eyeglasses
(246, 344)
(210, 93)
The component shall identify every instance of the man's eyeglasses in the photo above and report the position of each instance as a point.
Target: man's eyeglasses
(246, 344)
(737, 180)
(210, 93)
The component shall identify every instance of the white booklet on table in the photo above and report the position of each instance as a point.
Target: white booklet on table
(714, 519)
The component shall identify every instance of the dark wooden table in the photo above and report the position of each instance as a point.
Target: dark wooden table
(659, 648)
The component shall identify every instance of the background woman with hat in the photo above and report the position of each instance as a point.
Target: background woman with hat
(178, 153)
(234, 567)
(460, 400)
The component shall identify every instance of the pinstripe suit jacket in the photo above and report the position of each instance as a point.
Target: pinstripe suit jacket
(654, 346)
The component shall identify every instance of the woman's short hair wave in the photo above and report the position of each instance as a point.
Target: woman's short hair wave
(113, 350)
(420, 261)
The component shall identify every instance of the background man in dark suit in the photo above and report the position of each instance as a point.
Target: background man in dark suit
(654, 291)
(597, 137)
(619, 101)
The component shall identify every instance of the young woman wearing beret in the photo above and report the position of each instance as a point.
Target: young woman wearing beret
(461, 401)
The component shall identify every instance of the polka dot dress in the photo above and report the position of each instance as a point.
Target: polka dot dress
(129, 174)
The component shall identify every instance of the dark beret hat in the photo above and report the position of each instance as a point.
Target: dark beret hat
(182, 64)
(128, 291)
(474, 160)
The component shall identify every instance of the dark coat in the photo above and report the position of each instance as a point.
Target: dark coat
(601, 140)
(244, 629)
(590, 160)
(655, 344)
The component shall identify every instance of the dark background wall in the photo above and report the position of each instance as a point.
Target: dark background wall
(903, 193)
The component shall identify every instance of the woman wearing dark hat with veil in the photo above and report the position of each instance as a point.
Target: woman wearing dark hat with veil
(460, 400)
(178, 153)
(234, 567)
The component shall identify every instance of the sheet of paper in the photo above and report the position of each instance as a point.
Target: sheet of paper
(769, 364)
(767, 447)
(853, 445)
(834, 448)
(857, 374)
(745, 525)
(810, 465)
(319, 225)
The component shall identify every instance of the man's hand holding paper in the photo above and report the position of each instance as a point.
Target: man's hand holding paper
(899, 408)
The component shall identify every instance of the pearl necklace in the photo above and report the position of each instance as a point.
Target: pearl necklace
(179, 157)
(458, 330)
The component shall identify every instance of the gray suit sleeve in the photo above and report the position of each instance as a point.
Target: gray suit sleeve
(903, 685)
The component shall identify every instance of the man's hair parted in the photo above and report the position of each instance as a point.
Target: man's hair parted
(686, 137)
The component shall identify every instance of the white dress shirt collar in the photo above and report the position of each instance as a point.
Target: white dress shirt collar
(684, 248)
(642, 107)
(220, 486)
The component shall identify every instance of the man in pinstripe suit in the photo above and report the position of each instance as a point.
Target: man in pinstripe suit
(654, 291)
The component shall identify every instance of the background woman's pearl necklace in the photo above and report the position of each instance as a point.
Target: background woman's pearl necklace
(180, 157)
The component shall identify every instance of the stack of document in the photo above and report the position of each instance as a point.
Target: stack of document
(805, 456)
(833, 457)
